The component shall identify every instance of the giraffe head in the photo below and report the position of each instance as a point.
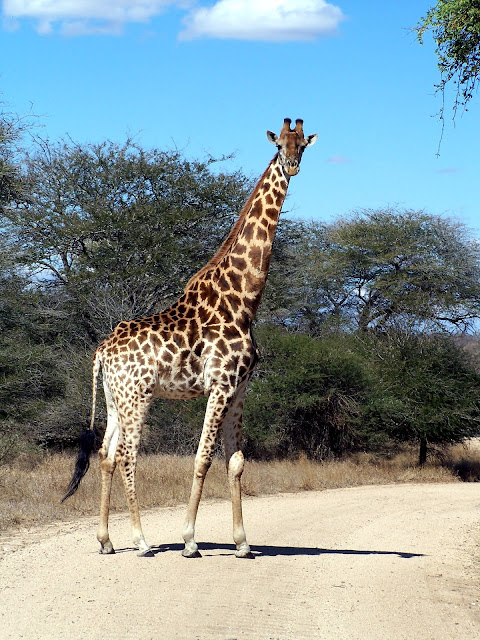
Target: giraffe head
(291, 144)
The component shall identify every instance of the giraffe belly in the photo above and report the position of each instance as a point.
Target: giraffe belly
(177, 392)
(181, 378)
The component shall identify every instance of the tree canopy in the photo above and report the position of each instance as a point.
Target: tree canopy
(116, 229)
(377, 269)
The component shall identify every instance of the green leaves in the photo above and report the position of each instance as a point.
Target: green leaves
(455, 28)
(427, 388)
(305, 396)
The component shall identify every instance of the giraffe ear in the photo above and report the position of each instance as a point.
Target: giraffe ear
(272, 137)
(311, 139)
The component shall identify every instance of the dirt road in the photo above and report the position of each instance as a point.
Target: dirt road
(389, 563)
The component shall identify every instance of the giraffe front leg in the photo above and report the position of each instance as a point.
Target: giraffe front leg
(235, 470)
(216, 409)
(232, 436)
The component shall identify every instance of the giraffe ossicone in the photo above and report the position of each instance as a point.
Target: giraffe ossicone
(201, 345)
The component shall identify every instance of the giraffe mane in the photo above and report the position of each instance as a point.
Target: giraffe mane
(232, 236)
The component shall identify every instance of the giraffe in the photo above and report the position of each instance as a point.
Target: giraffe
(201, 345)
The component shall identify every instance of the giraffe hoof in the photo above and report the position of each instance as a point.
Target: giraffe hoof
(249, 555)
(146, 553)
(107, 550)
(191, 554)
(244, 552)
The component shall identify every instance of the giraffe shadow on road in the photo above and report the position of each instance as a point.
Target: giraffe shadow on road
(206, 548)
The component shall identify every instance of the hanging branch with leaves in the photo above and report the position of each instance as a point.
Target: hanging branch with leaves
(455, 28)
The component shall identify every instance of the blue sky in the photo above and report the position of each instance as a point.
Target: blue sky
(212, 76)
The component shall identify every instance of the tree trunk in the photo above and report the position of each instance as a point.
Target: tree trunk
(423, 452)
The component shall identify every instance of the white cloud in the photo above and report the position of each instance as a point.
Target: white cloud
(267, 20)
(79, 17)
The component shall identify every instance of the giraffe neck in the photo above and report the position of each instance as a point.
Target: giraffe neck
(239, 269)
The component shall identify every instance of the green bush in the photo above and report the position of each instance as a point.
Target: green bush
(306, 396)
(426, 389)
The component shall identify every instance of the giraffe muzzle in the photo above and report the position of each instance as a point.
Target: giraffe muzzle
(292, 170)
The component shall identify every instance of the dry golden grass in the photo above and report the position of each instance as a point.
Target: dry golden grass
(32, 487)
(464, 460)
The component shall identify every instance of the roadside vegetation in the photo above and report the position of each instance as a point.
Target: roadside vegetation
(32, 486)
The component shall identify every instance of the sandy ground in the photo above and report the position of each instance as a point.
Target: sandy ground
(396, 562)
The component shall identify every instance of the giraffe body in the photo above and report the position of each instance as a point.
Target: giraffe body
(201, 345)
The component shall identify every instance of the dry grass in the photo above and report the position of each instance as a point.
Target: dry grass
(31, 488)
(464, 460)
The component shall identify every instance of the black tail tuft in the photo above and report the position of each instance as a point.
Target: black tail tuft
(87, 442)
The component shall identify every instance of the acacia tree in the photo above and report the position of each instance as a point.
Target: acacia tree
(343, 392)
(455, 27)
(115, 229)
(386, 268)
(31, 375)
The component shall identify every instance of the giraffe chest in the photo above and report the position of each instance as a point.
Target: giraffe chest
(193, 372)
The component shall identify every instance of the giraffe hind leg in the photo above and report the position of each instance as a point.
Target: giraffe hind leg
(127, 462)
(107, 465)
(131, 424)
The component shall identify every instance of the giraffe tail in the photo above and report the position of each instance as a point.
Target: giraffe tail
(87, 439)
